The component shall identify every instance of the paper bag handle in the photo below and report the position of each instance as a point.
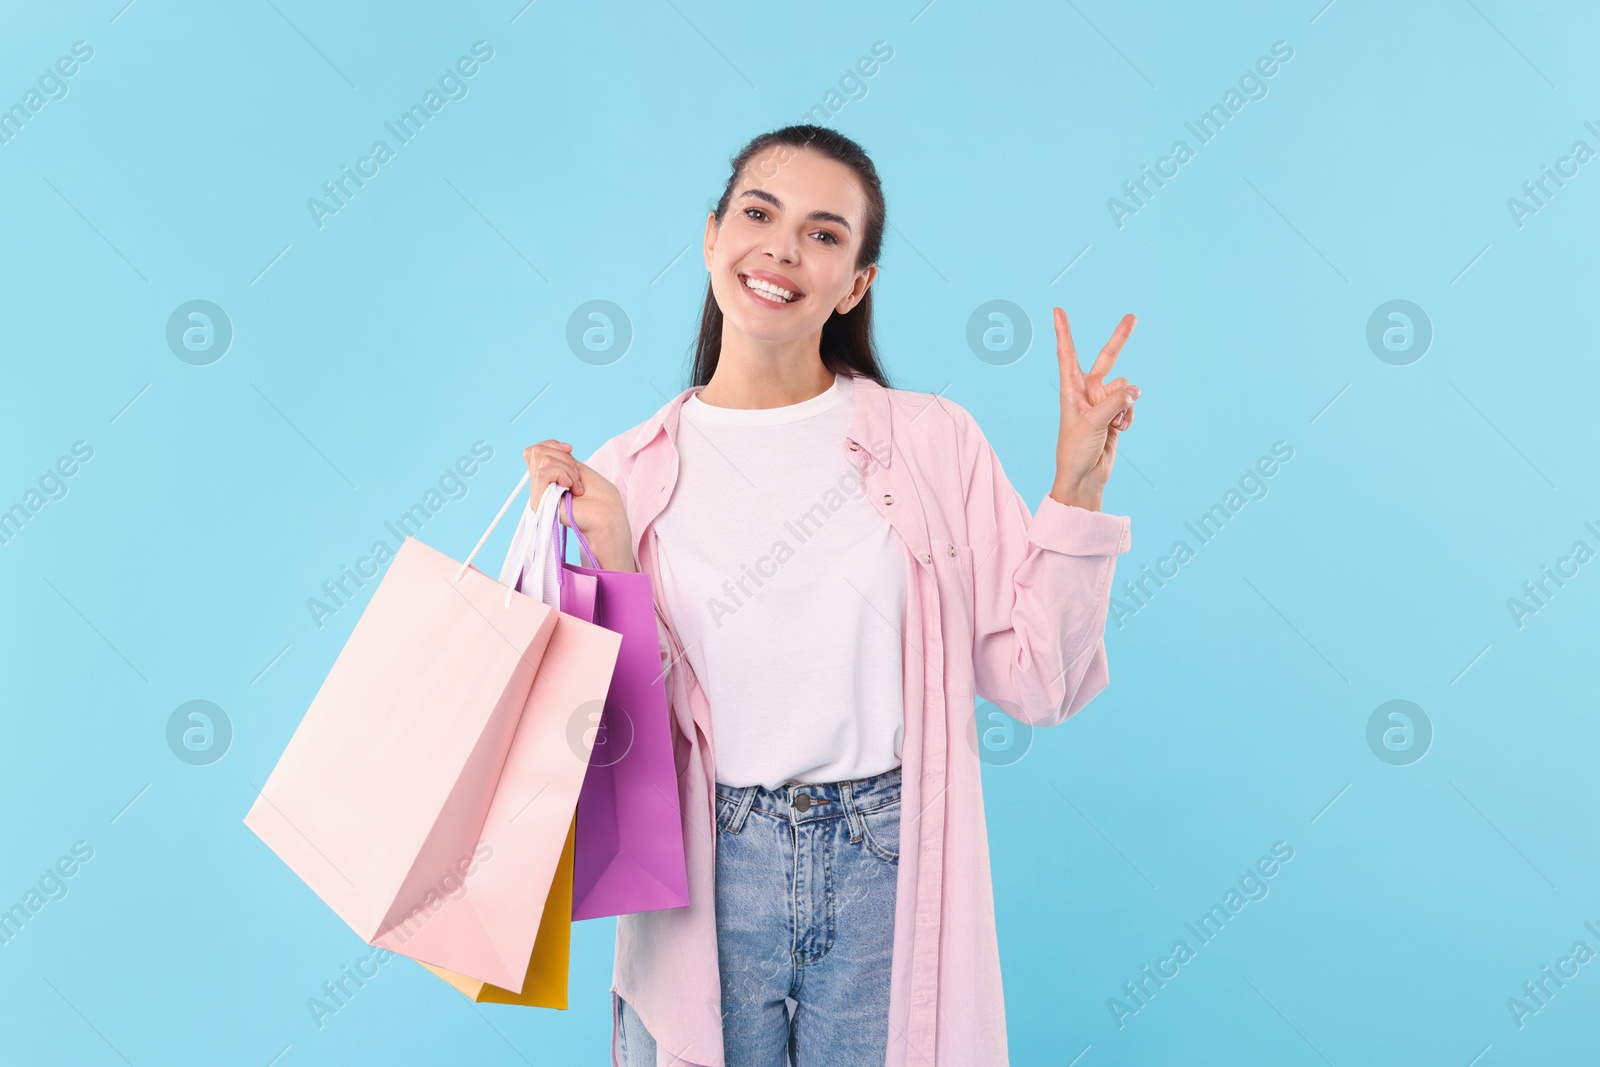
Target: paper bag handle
(496, 521)
(561, 535)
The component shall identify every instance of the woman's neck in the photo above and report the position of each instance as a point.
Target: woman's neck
(746, 383)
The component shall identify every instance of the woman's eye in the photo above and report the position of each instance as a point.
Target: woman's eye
(752, 212)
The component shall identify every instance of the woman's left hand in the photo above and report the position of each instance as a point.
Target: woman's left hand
(1093, 413)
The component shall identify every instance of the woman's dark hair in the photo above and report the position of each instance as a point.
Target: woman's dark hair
(846, 345)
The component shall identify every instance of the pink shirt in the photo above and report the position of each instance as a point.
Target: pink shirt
(1002, 604)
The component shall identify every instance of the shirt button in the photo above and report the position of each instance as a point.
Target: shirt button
(887, 499)
(927, 557)
(952, 550)
(854, 447)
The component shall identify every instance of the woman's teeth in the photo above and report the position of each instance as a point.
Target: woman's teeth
(767, 289)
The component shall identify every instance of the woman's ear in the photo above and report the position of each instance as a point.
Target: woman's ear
(710, 244)
(858, 291)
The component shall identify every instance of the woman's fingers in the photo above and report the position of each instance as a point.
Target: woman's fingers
(1071, 375)
(528, 452)
(1108, 355)
(551, 461)
(1124, 417)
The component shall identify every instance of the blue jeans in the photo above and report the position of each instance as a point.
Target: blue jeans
(805, 911)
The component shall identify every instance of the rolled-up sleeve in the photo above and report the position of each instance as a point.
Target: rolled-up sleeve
(1042, 590)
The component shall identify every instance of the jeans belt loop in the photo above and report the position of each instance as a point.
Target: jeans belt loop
(847, 798)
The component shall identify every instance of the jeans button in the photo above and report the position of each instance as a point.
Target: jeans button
(803, 801)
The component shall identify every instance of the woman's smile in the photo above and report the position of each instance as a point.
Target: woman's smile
(769, 289)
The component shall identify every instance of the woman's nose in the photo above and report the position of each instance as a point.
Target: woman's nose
(783, 248)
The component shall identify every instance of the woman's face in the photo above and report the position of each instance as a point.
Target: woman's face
(794, 222)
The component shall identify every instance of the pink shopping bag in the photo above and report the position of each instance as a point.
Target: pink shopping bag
(427, 794)
(629, 855)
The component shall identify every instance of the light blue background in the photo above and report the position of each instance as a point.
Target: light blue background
(372, 352)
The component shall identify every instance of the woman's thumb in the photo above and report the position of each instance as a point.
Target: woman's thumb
(1102, 413)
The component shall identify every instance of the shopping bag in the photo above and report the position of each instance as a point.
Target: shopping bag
(427, 793)
(545, 984)
(630, 851)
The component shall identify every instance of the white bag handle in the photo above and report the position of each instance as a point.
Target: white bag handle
(498, 516)
(546, 562)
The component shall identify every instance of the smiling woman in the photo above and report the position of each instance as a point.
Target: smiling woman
(789, 270)
(839, 693)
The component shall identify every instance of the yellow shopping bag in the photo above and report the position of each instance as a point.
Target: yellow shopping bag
(546, 983)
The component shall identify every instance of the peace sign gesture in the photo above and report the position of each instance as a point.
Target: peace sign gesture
(1093, 413)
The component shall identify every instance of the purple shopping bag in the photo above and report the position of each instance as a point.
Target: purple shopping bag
(629, 854)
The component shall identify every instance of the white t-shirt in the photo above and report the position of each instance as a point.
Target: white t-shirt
(788, 591)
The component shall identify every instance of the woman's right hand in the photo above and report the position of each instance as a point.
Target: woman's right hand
(596, 504)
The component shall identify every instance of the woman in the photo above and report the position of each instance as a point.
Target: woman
(840, 568)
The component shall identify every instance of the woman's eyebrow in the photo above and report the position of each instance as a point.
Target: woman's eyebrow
(819, 216)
